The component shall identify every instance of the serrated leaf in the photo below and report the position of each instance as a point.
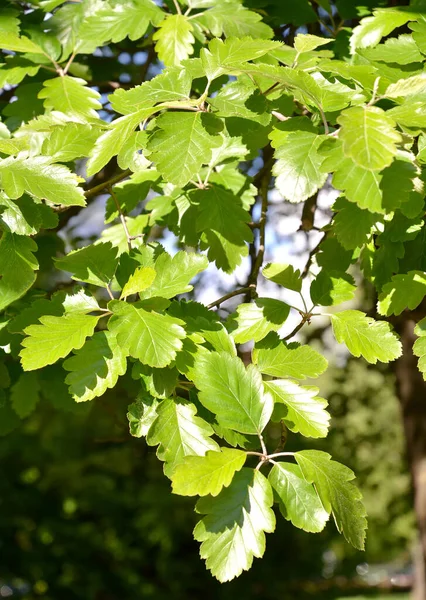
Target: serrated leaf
(372, 29)
(17, 266)
(222, 221)
(139, 281)
(23, 218)
(70, 141)
(175, 273)
(179, 432)
(11, 41)
(117, 19)
(299, 502)
(112, 141)
(255, 320)
(204, 475)
(54, 338)
(234, 394)
(402, 50)
(297, 170)
(182, 144)
(240, 99)
(25, 394)
(363, 336)
(369, 136)
(95, 367)
(70, 95)
(172, 85)
(93, 264)
(332, 287)
(243, 22)
(338, 495)
(352, 225)
(405, 291)
(142, 414)
(284, 275)
(276, 358)
(303, 411)
(419, 34)
(233, 530)
(305, 42)
(40, 178)
(174, 39)
(151, 337)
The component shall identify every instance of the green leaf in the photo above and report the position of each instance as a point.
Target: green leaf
(419, 29)
(372, 29)
(233, 530)
(174, 274)
(223, 223)
(299, 502)
(209, 474)
(231, 19)
(338, 495)
(239, 99)
(352, 225)
(142, 414)
(54, 338)
(404, 291)
(369, 136)
(93, 264)
(17, 266)
(255, 320)
(363, 336)
(139, 281)
(409, 114)
(172, 85)
(332, 287)
(303, 411)
(95, 367)
(234, 394)
(70, 141)
(41, 179)
(25, 394)
(276, 358)
(179, 432)
(153, 338)
(24, 218)
(117, 19)
(174, 39)
(70, 95)
(112, 141)
(284, 275)
(419, 346)
(305, 42)
(11, 41)
(182, 144)
(297, 170)
(402, 50)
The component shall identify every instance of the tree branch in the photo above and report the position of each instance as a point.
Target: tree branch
(97, 189)
(243, 290)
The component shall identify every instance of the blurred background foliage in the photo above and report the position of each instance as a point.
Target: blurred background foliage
(87, 513)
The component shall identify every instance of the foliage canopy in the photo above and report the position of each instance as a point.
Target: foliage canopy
(194, 150)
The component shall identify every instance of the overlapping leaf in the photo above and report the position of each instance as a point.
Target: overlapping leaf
(233, 530)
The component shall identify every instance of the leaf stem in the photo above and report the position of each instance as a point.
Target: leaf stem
(243, 290)
(296, 329)
(277, 454)
(122, 218)
(108, 289)
(178, 10)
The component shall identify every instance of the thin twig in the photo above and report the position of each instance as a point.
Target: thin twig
(97, 189)
(122, 218)
(262, 443)
(69, 63)
(218, 302)
(296, 329)
(108, 289)
(310, 258)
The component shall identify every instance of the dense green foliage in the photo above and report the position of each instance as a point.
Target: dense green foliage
(195, 150)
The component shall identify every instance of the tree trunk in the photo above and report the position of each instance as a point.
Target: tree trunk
(411, 389)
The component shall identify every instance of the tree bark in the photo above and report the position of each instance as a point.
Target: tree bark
(411, 389)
